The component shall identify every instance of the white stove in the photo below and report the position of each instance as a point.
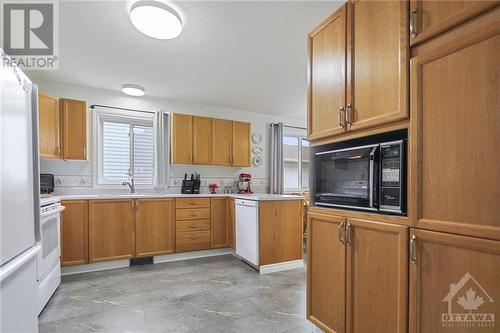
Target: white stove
(49, 263)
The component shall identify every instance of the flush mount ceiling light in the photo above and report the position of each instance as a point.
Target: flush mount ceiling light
(133, 90)
(156, 19)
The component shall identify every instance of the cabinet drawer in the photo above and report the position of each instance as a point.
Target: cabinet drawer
(192, 202)
(192, 214)
(192, 225)
(192, 241)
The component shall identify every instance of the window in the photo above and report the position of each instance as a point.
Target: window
(126, 143)
(295, 161)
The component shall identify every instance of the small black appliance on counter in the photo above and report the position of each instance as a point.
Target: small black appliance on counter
(191, 186)
(46, 183)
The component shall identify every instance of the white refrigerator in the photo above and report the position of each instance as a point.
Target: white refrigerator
(19, 199)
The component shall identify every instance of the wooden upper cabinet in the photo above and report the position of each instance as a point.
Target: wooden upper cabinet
(182, 139)
(327, 77)
(455, 136)
(154, 227)
(453, 275)
(241, 144)
(202, 140)
(221, 142)
(377, 269)
(74, 129)
(430, 18)
(326, 256)
(218, 221)
(111, 230)
(231, 223)
(377, 63)
(74, 233)
(49, 126)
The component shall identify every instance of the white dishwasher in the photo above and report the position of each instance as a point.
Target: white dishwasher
(247, 230)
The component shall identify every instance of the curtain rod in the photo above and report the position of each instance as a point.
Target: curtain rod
(120, 108)
(290, 126)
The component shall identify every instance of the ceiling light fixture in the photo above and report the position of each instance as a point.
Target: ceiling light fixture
(156, 19)
(133, 89)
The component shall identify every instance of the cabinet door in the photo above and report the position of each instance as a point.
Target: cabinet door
(326, 256)
(154, 227)
(49, 126)
(377, 277)
(182, 139)
(74, 129)
(454, 283)
(241, 144)
(377, 63)
(218, 219)
(74, 233)
(326, 77)
(221, 142)
(455, 136)
(202, 140)
(429, 18)
(280, 231)
(231, 223)
(111, 230)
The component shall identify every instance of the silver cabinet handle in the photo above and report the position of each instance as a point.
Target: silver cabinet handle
(341, 123)
(348, 234)
(193, 226)
(341, 226)
(413, 17)
(413, 256)
(348, 121)
(193, 237)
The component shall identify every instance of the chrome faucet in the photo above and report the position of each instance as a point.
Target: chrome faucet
(130, 181)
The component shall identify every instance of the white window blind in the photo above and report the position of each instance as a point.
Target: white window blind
(116, 151)
(143, 154)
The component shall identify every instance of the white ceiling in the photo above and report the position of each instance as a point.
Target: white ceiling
(248, 55)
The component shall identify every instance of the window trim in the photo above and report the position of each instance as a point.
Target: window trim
(132, 118)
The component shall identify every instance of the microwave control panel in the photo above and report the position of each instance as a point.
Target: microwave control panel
(391, 176)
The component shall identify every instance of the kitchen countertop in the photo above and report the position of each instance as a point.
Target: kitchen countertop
(255, 196)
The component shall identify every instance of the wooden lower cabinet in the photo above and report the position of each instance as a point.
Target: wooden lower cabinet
(357, 275)
(111, 230)
(377, 277)
(154, 227)
(231, 223)
(74, 233)
(280, 231)
(218, 218)
(454, 283)
(326, 255)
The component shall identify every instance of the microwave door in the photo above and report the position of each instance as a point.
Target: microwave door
(345, 177)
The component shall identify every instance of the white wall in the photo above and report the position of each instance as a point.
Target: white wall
(76, 176)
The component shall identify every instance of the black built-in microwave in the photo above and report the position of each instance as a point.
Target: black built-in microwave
(363, 174)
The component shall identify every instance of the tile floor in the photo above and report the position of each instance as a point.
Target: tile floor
(215, 294)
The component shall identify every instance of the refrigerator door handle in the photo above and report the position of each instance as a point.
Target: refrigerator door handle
(36, 162)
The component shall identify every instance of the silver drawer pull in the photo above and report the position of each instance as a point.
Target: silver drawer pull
(341, 123)
(348, 234)
(341, 226)
(193, 225)
(413, 17)
(413, 255)
(193, 237)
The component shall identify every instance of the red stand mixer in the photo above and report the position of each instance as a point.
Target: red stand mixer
(244, 183)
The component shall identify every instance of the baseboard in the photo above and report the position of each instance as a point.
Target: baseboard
(282, 266)
(191, 255)
(94, 267)
(105, 265)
